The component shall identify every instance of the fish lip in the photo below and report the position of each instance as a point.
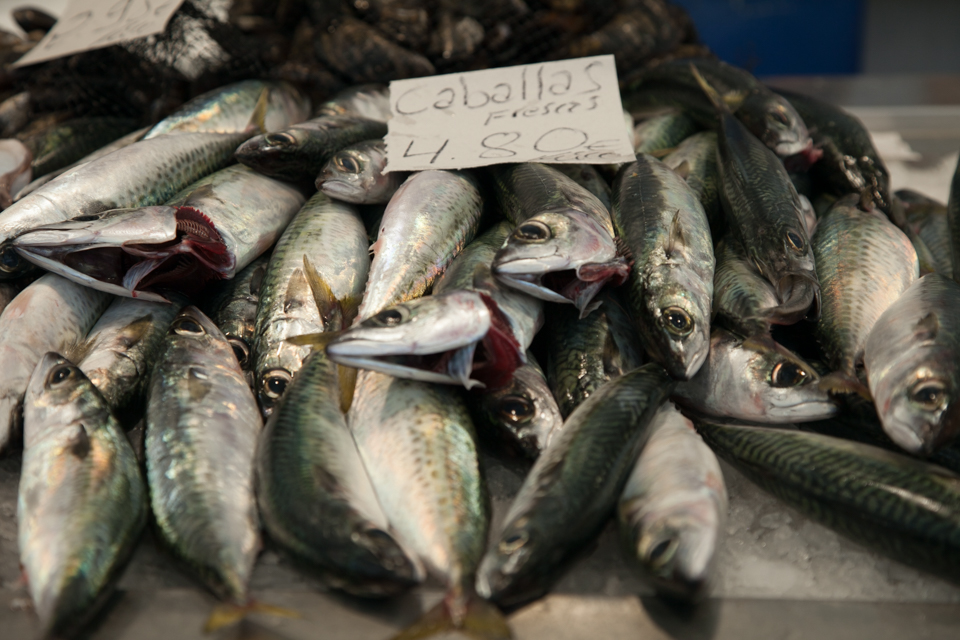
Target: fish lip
(786, 148)
(340, 188)
(530, 285)
(538, 266)
(904, 437)
(403, 371)
(796, 292)
(789, 413)
(694, 365)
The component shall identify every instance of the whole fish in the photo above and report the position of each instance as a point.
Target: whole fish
(142, 174)
(210, 230)
(864, 263)
(315, 497)
(299, 152)
(118, 352)
(905, 508)
(203, 424)
(662, 132)
(52, 314)
(418, 445)
(695, 160)
(523, 413)
(563, 247)
(67, 142)
(430, 219)
(82, 501)
(472, 324)
(233, 308)
(763, 209)
(573, 487)
(371, 101)
(757, 380)
(588, 352)
(910, 360)
(228, 109)
(850, 162)
(358, 51)
(326, 241)
(587, 176)
(15, 169)
(663, 225)
(355, 174)
(926, 226)
(673, 507)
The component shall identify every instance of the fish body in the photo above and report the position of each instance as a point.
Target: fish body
(910, 360)
(210, 230)
(674, 506)
(926, 225)
(15, 169)
(587, 176)
(664, 226)
(355, 174)
(299, 152)
(68, 142)
(82, 500)
(329, 236)
(864, 263)
(695, 160)
(370, 101)
(757, 380)
(202, 424)
(662, 132)
(573, 487)
(52, 314)
(233, 308)
(743, 300)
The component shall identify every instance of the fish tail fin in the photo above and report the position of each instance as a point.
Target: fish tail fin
(712, 94)
(226, 614)
(471, 616)
(258, 122)
(839, 382)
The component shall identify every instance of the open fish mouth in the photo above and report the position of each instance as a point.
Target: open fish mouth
(130, 253)
(799, 156)
(576, 286)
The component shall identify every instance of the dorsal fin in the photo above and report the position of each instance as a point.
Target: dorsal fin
(712, 95)
(330, 311)
(257, 122)
(683, 169)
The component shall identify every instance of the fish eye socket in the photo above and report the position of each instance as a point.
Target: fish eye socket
(240, 350)
(532, 232)
(9, 260)
(676, 321)
(514, 541)
(514, 408)
(787, 374)
(796, 241)
(930, 395)
(60, 374)
(188, 327)
(346, 163)
(275, 383)
(662, 552)
(390, 317)
(280, 139)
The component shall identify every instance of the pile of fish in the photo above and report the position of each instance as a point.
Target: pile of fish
(236, 326)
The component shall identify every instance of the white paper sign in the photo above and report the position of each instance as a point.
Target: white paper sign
(556, 112)
(92, 24)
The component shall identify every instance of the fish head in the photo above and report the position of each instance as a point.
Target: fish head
(348, 175)
(776, 123)
(679, 337)
(562, 256)
(422, 339)
(194, 333)
(58, 394)
(526, 409)
(508, 573)
(269, 149)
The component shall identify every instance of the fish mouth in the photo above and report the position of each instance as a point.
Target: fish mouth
(798, 156)
(803, 411)
(576, 286)
(797, 293)
(121, 262)
(340, 189)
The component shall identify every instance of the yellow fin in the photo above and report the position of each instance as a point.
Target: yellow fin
(478, 619)
(328, 305)
(225, 615)
(258, 122)
(348, 383)
(314, 339)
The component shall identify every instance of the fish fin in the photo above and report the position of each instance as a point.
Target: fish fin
(623, 250)
(80, 444)
(839, 382)
(257, 122)
(734, 99)
(927, 327)
(320, 340)
(328, 305)
(683, 169)
(712, 94)
(675, 240)
(476, 618)
(347, 377)
(226, 614)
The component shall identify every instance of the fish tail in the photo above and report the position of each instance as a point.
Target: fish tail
(471, 616)
(712, 94)
(257, 122)
(226, 614)
(843, 383)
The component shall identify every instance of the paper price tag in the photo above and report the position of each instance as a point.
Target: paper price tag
(92, 24)
(555, 112)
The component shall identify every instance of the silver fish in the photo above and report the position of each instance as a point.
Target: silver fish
(673, 507)
(355, 174)
(233, 308)
(757, 380)
(52, 314)
(82, 501)
(370, 101)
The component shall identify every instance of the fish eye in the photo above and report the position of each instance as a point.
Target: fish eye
(787, 374)
(275, 383)
(280, 139)
(514, 541)
(390, 317)
(59, 375)
(187, 326)
(514, 408)
(796, 241)
(677, 321)
(662, 553)
(346, 163)
(780, 116)
(240, 350)
(532, 231)
(9, 260)
(930, 395)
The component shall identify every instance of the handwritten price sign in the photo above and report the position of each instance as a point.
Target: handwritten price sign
(91, 24)
(556, 112)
